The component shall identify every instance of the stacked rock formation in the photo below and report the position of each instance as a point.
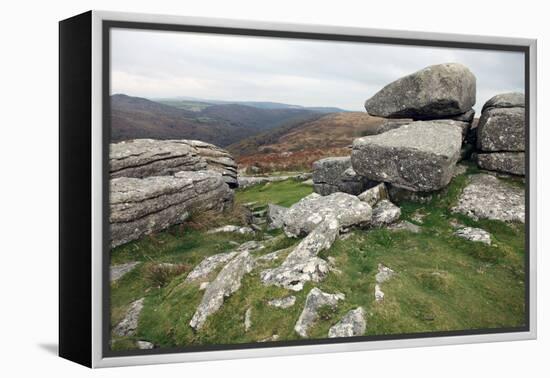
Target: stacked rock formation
(501, 134)
(335, 174)
(156, 184)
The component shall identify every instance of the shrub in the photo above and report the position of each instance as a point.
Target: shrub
(159, 275)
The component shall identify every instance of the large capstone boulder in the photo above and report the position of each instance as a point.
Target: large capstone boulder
(505, 162)
(226, 283)
(437, 91)
(140, 206)
(419, 157)
(505, 100)
(335, 174)
(314, 301)
(305, 215)
(487, 197)
(140, 158)
(501, 129)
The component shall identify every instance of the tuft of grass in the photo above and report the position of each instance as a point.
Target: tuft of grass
(159, 275)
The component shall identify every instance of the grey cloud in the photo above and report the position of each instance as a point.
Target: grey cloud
(312, 73)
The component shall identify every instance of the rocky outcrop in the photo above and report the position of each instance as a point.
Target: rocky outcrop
(419, 157)
(209, 265)
(505, 162)
(314, 301)
(128, 325)
(474, 234)
(117, 271)
(437, 91)
(487, 197)
(375, 194)
(248, 181)
(335, 174)
(226, 283)
(501, 134)
(141, 158)
(230, 228)
(352, 324)
(305, 215)
(405, 226)
(384, 213)
(302, 264)
(140, 206)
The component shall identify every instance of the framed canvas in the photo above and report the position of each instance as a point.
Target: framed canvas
(234, 189)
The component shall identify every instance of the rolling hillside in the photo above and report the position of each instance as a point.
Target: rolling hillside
(220, 124)
(297, 146)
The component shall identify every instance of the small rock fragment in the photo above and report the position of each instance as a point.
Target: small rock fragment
(352, 324)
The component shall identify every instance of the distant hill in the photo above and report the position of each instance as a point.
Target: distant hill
(197, 104)
(220, 124)
(296, 146)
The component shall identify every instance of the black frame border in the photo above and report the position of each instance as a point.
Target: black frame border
(108, 25)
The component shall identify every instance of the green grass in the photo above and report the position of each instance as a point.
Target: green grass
(442, 283)
(284, 193)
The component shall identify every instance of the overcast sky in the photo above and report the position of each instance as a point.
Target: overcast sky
(156, 64)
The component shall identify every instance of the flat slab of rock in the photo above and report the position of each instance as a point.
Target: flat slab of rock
(285, 302)
(405, 226)
(142, 158)
(375, 194)
(501, 129)
(304, 216)
(248, 181)
(144, 344)
(128, 325)
(352, 324)
(226, 283)
(117, 271)
(487, 197)
(315, 300)
(384, 213)
(139, 207)
(419, 157)
(505, 162)
(208, 265)
(436, 91)
(335, 174)
(505, 100)
(474, 234)
(302, 264)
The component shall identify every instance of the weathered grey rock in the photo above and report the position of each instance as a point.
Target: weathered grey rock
(268, 339)
(405, 226)
(335, 174)
(302, 217)
(459, 170)
(208, 265)
(128, 325)
(505, 100)
(506, 162)
(418, 157)
(487, 197)
(232, 229)
(248, 181)
(352, 324)
(140, 158)
(144, 344)
(501, 129)
(270, 256)
(434, 92)
(226, 283)
(117, 271)
(375, 194)
(275, 215)
(285, 302)
(315, 300)
(393, 123)
(302, 264)
(248, 319)
(474, 234)
(467, 117)
(384, 213)
(141, 206)
(398, 195)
